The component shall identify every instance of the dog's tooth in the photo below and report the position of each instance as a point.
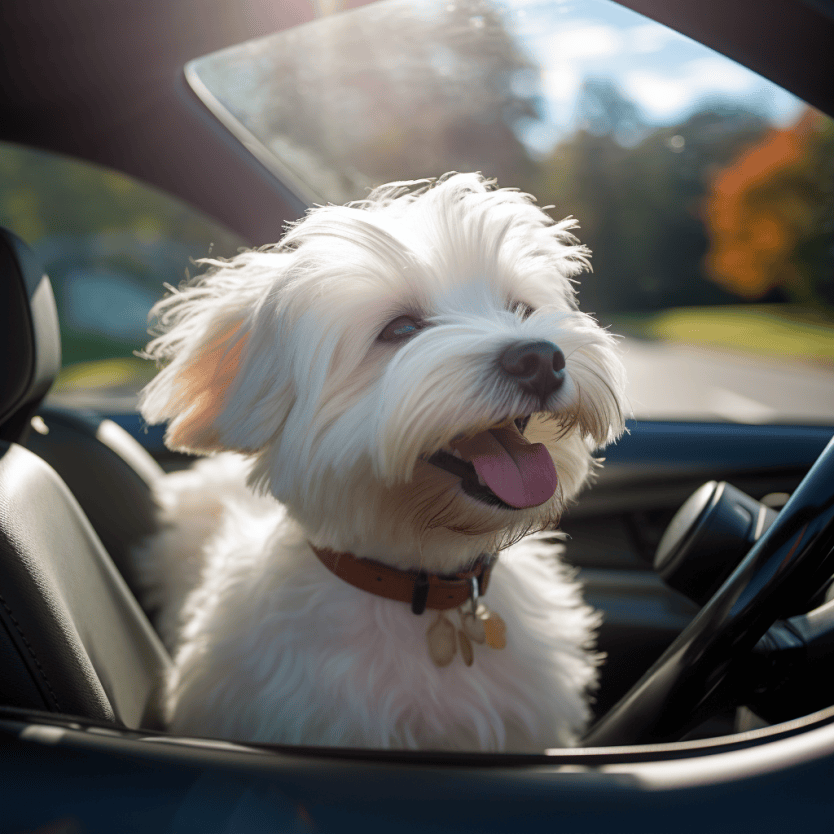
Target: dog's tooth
(456, 454)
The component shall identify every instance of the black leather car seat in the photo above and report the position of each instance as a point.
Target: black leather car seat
(108, 472)
(73, 639)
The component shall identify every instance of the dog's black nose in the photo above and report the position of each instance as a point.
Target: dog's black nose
(538, 367)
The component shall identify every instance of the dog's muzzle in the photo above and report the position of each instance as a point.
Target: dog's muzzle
(501, 467)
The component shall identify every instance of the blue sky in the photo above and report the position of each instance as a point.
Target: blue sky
(666, 74)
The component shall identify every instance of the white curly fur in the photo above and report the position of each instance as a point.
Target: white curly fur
(276, 355)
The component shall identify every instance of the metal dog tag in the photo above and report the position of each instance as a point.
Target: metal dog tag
(473, 627)
(495, 629)
(442, 640)
(481, 624)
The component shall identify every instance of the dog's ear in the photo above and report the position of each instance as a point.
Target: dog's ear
(221, 387)
(198, 393)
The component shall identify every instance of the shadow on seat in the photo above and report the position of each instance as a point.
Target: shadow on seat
(72, 636)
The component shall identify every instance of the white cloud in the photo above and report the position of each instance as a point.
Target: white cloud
(665, 73)
(589, 40)
(560, 83)
(659, 96)
(665, 95)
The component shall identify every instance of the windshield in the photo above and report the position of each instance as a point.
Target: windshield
(704, 191)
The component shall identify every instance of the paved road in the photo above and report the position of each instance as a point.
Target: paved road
(673, 381)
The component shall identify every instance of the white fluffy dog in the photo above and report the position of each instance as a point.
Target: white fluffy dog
(410, 378)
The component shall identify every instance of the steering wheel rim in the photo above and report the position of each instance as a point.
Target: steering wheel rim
(785, 567)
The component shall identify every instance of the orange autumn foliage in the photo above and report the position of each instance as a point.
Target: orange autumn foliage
(757, 210)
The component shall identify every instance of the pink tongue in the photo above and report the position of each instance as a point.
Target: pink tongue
(520, 473)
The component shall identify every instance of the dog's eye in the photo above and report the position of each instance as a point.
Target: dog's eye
(400, 328)
(523, 310)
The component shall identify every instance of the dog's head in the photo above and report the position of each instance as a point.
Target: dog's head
(410, 370)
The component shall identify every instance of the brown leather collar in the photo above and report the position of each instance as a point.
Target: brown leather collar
(420, 589)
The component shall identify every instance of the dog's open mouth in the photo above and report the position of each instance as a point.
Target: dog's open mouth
(501, 467)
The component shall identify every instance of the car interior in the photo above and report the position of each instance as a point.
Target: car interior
(79, 643)
(709, 547)
(75, 639)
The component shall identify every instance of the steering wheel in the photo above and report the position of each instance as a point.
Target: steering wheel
(695, 675)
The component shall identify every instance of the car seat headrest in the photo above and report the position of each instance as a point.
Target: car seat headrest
(30, 341)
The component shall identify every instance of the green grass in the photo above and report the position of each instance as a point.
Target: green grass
(784, 331)
(127, 372)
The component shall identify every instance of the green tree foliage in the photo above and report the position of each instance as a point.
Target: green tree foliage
(637, 194)
(392, 97)
(43, 194)
(388, 96)
(769, 214)
(456, 94)
(107, 242)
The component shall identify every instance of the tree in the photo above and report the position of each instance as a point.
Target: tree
(768, 215)
(370, 96)
(637, 194)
